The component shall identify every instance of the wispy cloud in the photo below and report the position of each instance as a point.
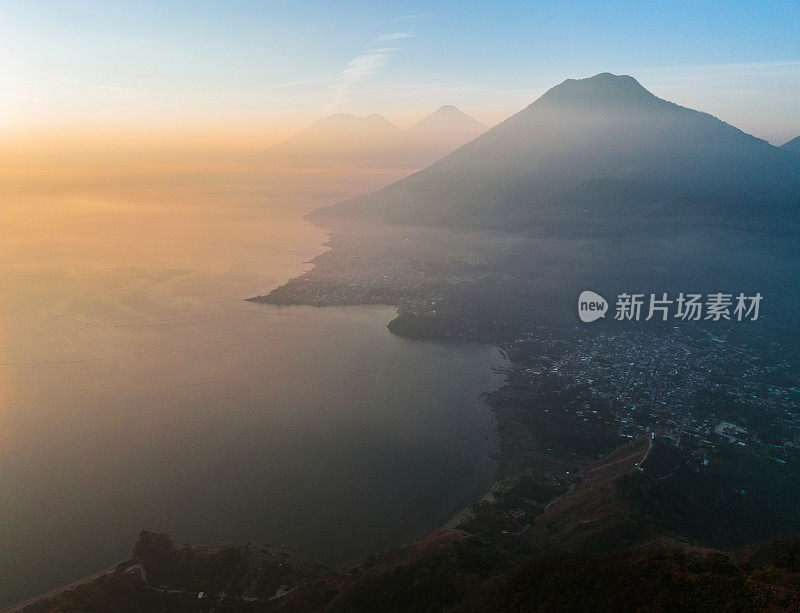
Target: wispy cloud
(393, 36)
(361, 67)
(91, 85)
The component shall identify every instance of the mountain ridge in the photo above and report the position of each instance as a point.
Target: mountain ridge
(792, 146)
(605, 140)
(447, 117)
(373, 140)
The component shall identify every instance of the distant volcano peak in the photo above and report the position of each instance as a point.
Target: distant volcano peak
(448, 118)
(589, 156)
(601, 89)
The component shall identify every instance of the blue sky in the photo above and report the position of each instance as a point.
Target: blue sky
(106, 62)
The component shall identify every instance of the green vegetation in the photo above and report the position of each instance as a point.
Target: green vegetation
(738, 497)
(454, 571)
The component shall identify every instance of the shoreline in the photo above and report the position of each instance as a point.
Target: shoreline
(14, 608)
(468, 513)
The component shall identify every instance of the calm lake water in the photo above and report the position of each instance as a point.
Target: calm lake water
(139, 391)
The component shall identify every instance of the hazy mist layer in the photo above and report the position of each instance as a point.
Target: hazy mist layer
(138, 390)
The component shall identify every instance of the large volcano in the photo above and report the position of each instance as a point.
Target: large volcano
(595, 155)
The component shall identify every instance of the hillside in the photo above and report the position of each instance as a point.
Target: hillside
(597, 516)
(599, 184)
(593, 155)
(793, 146)
(597, 551)
(440, 133)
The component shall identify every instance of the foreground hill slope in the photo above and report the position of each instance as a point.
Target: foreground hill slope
(600, 550)
(456, 573)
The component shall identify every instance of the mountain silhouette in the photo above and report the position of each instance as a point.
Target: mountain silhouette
(445, 127)
(374, 141)
(440, 133)
(793, 146)
(593, 155)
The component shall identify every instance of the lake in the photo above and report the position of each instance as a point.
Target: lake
(138, 390)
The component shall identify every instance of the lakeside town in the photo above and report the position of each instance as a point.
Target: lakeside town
(698, 386)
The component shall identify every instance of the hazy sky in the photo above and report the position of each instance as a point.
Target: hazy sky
(279, 65)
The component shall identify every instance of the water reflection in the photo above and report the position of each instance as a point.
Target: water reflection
(140, 391)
